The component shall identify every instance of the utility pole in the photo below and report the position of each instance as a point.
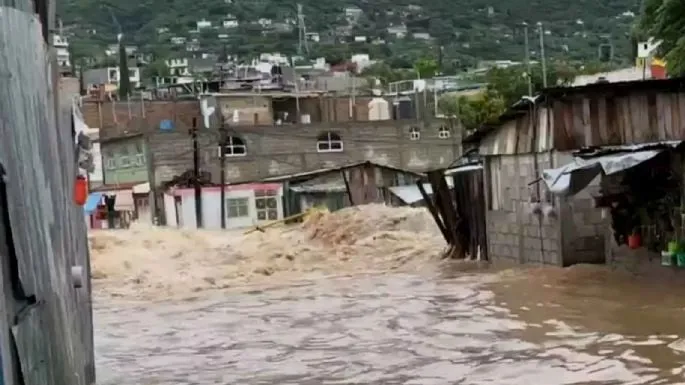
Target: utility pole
(196, 176)
(527, 60)
(302, 46)
(543, 62)
(222, 176)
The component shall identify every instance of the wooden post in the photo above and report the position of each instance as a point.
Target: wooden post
(196, 176)
(222, 167)
(434, 212)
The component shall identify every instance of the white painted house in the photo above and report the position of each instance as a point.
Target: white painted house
(61, 50)
(246, 205)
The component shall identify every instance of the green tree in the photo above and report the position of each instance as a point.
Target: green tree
(506, 86)
(464, 27)
(157, 68)
(124, 77)
(665, 20)
(511, 82)
(386, 74)
(426, 68)
(474, 110)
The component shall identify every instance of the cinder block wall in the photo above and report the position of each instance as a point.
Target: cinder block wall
(515, 235)
(583, 227)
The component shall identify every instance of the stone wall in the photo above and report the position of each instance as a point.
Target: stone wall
(514, 234)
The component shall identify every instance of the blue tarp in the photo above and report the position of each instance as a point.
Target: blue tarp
(92, 202)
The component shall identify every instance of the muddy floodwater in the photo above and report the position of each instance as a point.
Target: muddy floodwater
(456, 324)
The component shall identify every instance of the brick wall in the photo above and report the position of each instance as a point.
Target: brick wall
(115, 119)
(124, 118)
(514, 234)
(278, 150)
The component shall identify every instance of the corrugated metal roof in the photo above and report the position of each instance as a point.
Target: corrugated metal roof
(320, 188)
(574, 177)
(466, 168)
(672, 84)
(321, 171)
(410, 194)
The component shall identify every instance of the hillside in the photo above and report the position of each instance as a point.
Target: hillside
(468, 30)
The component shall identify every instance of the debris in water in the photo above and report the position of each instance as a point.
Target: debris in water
(155, 262)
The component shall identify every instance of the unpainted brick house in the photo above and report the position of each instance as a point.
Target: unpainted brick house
(257, 147)
(528, 224)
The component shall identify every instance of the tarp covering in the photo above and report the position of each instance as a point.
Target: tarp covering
(92, 202)
(143, 188)
(124, 201)
(575, 176)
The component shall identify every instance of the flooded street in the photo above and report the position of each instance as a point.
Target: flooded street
(198, 308)
(397, 329)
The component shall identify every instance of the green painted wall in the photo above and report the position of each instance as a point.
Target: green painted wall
(125, 161)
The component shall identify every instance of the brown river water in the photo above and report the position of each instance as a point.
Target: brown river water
(361, 297)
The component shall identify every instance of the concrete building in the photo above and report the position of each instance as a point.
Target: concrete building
(124, 160)
(110, 76)
(258, 147)
(61, 45)
(246, 205)
(526, 221)
(274, 198)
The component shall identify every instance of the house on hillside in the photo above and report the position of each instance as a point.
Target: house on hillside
(531, 221)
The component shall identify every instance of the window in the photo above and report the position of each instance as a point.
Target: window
(140, 159)
(124, 160)
(234, 147)
(237, 207)
(113, 76)
(414, 133)
(495, 175)
(266, 203)
(329, 142)
(443, 132)
(111, 162)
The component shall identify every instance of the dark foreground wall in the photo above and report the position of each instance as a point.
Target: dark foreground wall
(46, 327)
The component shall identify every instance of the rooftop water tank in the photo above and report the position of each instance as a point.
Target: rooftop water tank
(379, 109)
(403, 108)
